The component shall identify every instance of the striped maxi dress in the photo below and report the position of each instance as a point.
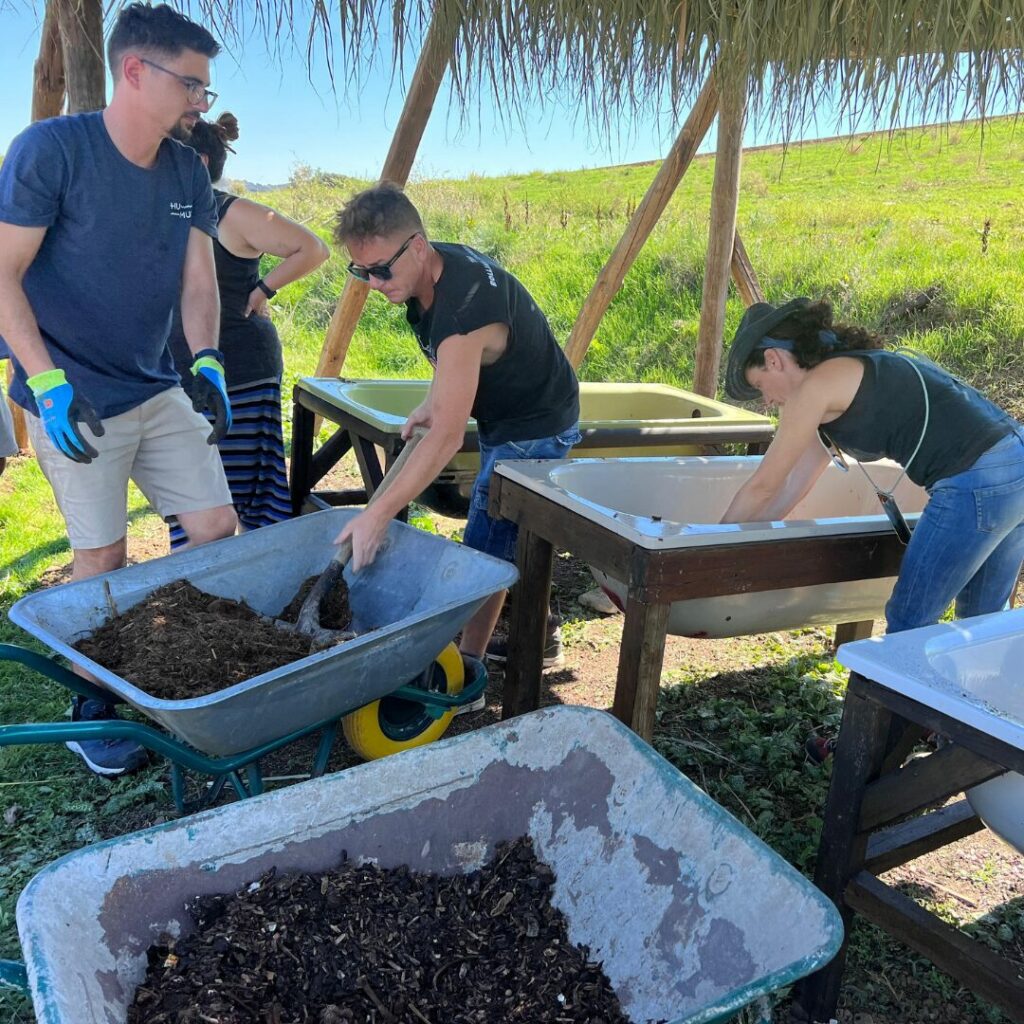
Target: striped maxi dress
(253, 450)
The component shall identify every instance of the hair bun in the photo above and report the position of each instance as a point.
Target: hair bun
(227, 127)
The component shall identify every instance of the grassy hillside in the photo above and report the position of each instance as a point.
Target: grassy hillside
(875, 223)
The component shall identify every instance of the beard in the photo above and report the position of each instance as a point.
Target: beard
(182, 130)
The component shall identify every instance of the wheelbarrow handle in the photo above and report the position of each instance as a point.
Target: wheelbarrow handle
(309, 613)
(344, 552)
(13, 975)
(58, 673)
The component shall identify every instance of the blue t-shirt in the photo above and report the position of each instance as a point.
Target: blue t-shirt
(108, 274)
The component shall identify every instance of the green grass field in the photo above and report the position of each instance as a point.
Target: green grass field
(870, 223)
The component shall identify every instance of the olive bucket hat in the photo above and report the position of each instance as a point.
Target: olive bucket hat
(757, 321)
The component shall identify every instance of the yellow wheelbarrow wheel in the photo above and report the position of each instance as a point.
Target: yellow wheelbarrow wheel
(392, 724)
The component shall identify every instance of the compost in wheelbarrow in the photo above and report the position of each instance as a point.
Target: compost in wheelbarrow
(691, 915)
(406, 608)
(180, 642)
(362, 942)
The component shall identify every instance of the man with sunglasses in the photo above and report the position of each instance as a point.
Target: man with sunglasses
(104, 222)
(494, 358)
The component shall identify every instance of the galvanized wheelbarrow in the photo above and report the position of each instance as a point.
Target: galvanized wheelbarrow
(396, 685)
(692, 916)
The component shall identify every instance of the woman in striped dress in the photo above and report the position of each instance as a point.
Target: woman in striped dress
(253, 450)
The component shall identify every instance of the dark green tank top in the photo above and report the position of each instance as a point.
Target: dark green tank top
(886, 416)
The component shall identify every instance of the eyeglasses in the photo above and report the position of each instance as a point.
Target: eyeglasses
(195, 90)
(381, 271)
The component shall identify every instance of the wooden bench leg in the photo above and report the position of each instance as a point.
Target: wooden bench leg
(640, 661)
(864, 735)
(528, 617)
(847, 632)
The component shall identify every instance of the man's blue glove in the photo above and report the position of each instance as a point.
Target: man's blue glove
(210, 392)
(61, 410)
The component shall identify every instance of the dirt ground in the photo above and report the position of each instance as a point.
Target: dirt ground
(975, 875)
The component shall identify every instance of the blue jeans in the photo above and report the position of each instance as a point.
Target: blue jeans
(498, 536)
(968, 544)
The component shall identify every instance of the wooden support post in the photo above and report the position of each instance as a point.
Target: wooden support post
(17, 414)
(528, 618)
(744, 275)
(642, 222)
(722, 231)
(47, 101)
(48, 72)
(640, 661)
(81, 34)
(426, 81)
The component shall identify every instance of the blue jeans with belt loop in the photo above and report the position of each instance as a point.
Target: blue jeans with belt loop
(968, 544)
(498, 536)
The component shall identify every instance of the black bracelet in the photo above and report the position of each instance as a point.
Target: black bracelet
(265, 288)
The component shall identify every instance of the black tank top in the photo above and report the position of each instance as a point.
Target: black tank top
(531, 391)
(251, 347)
(887, 415)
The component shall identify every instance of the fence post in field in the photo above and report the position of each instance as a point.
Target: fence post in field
(722, 229)
(81, 33)
(419, 101)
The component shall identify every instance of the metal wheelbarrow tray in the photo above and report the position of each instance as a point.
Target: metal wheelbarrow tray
(406, 607)
(692, 916)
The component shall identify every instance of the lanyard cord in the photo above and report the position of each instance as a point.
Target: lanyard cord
(920, 440)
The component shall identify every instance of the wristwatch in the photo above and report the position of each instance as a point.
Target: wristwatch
(265, 288)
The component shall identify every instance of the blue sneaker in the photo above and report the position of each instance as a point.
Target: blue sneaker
(105, 757)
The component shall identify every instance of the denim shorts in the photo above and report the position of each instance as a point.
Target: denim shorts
(968, 544)
(498, 537)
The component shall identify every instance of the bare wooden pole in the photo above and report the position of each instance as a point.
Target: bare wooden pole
(642, 223)
(17, 414)
(419, 102)
(81, 33)
(743, 274)
(722, 231)
(47, 101)
(48, 72)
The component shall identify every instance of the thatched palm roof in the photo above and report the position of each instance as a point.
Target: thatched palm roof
(618, 56)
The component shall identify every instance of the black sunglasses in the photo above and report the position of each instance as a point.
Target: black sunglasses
(381, 271)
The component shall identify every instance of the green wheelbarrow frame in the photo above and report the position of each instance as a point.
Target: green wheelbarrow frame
(222, 770)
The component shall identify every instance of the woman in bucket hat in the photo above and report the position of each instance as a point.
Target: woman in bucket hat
(838, 390)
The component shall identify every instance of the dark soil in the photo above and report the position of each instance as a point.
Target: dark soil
(181, 643)
(335, 612)
(362, 944)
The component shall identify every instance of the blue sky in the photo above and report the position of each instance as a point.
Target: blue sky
(289, 115)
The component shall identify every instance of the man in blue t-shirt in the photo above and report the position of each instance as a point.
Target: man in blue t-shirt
(104, 222)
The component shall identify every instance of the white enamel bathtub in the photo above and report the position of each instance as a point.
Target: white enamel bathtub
(672, 503)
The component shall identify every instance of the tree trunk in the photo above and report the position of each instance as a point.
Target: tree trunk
(419, 102)
(722, 232)
(48, 73)
(81, 33)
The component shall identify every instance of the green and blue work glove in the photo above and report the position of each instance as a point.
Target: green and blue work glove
(60, 411)
(210, 392)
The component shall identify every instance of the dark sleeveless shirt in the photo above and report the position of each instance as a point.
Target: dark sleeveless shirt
(251, 347)
(887, 414)
(531, 391)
